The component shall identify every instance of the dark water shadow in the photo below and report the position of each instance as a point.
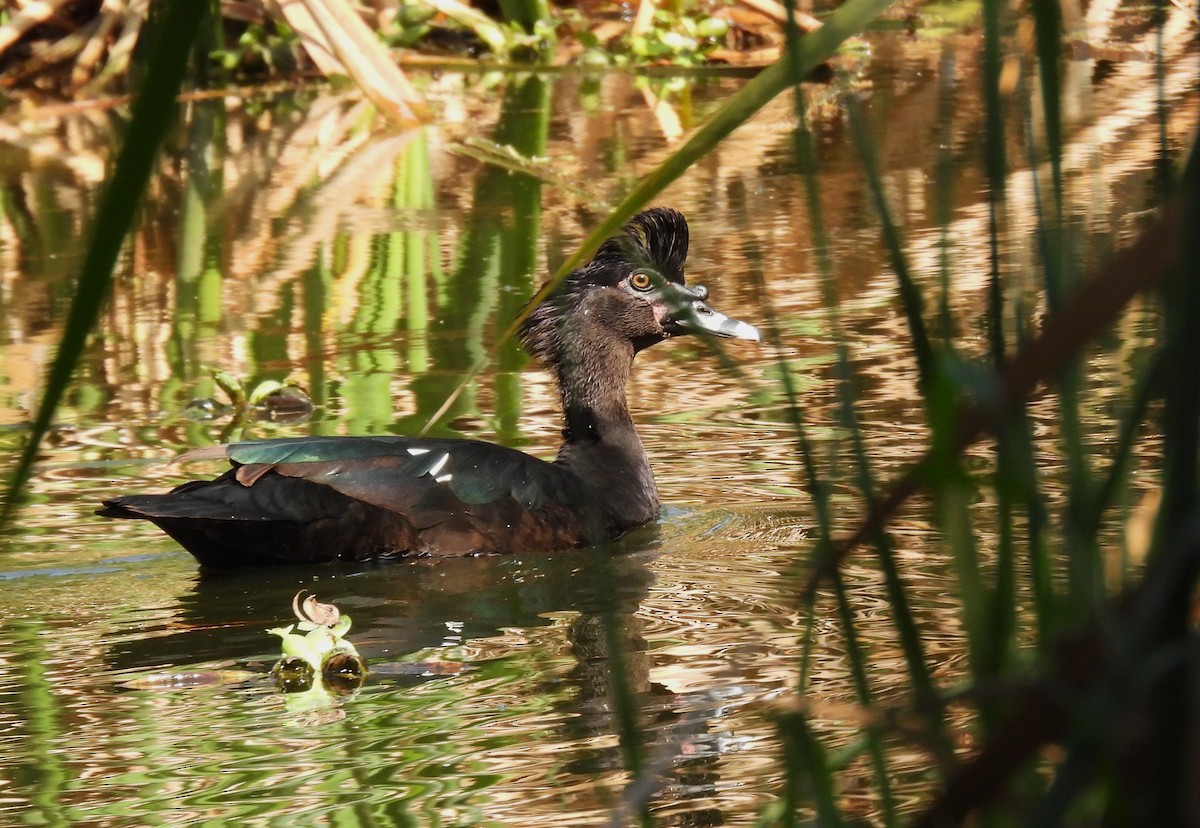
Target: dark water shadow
(402, 607)
(398, 607)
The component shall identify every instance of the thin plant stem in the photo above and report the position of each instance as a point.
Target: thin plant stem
(154, 112)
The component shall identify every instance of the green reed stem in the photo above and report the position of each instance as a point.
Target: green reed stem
(1000, 618)
(910, 639)
(1084, 580)
(153, 113)
(1084, 583)
(953, 492)
(819, 492)
(801, 749)
(1149, 383)
(1173, 710)
(866, 700)
(944, 187)
(806, 157)
(909, 293)
(849, 18)
(807, 161)
(1016, 471)
(1048, 30)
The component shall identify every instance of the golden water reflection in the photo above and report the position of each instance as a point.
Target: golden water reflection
(293, 237)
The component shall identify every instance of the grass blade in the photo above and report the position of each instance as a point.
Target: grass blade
(850, 18)
(1139, 267)
(153, 115)
(802, 749)
(910, 295)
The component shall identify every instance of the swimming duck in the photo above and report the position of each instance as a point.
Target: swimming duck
(318, 499)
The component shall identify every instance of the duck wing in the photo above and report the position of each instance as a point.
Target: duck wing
(324, 498)
(379, 470)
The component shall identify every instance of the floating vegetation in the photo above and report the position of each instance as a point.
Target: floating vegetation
(317, 665)
(317, 659)
(268, 400)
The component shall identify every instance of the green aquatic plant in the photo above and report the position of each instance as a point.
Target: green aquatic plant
(682, 35)
(411, 23)
(153, 113)
(315, 652)
(1128, 644)
(268, 399)
(270, 46)
(1097, 663)
(527, 33)
(682, 38)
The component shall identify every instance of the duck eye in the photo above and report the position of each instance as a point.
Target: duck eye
(640, 281)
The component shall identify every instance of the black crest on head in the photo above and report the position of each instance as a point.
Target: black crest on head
(655, 239)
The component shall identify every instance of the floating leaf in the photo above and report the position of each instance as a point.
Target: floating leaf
(263, 390)
(230, 384)
(298, 646)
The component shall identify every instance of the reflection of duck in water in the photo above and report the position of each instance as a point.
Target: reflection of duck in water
(416, 612)
(314, 499)
(398, 609)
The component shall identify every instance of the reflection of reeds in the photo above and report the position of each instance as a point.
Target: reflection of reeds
(960, 404)
(152, 116)
(244, 267)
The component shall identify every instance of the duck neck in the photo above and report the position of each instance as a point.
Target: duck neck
(600, 444)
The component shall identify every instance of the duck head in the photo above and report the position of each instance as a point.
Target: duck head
(632, 291)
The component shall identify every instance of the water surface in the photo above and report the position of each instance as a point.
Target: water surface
(293, 237)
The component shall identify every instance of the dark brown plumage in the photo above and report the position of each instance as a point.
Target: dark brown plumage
(313, 499)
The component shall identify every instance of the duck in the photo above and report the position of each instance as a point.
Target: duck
(310, 500)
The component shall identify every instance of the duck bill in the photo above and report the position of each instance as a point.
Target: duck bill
(693, 315)
(702, 318)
